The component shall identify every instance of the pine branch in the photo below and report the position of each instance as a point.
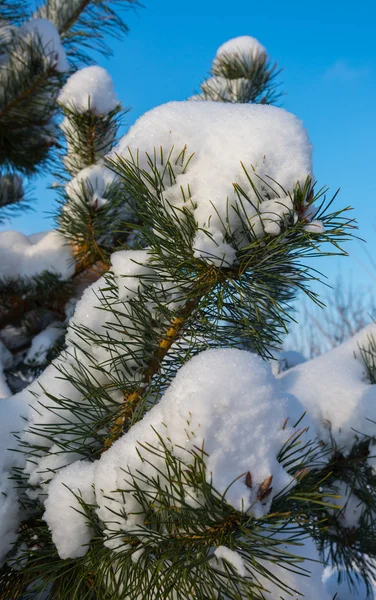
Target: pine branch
(368, 355)
(85, 24)
(242, 77)
(13, 584)
(141, 324)
(176, 535)
(68, 24)
(89, 136)
(33, 87)
(29, 84)
(12, 196)
(29, 88)
(133, 399)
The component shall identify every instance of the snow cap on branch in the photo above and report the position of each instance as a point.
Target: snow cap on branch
(89, 87)
(247, 48)
(210, 146)
(241, 73)
(45, 31)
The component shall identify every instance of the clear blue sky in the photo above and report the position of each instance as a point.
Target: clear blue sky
(328, 54)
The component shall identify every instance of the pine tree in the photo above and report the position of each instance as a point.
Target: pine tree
(41, 274)
(157, 455)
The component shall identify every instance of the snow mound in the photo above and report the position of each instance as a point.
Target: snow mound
(26, 256)
(222, 138)
(225, 401)
(334, 390)
(91, 86)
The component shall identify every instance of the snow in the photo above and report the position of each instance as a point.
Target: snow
(42, 343)
(245, 47)
(286, 359)
(351, 507)
(86, 313)
(334, 390)
(66, 530)
(218, 89)
(11, 412)
(226, 85)
(130, 268)
(225, 401)
(271, 217)
(266, 139)
(231, 557)
(89, 312)
(89, 87)
(26, 256)
(95, 183)
(45, 31)
(6, 360)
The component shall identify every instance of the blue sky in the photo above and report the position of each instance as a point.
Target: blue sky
(328, 55)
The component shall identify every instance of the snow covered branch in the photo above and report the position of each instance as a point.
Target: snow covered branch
(241, 73)
(146, 403)
(87, 23)
(159, 448)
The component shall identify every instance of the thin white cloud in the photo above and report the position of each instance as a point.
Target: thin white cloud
(344, 71)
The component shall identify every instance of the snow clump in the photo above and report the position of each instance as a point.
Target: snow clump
(233, 71)
(95, 183)
(232, 557)
(264, 139)
(89, 87)
(245, 47)
(225, 401)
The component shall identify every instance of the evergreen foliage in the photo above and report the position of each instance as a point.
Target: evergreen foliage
(155, 304)
(33, 70)
(84, 25)
(241, 73)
